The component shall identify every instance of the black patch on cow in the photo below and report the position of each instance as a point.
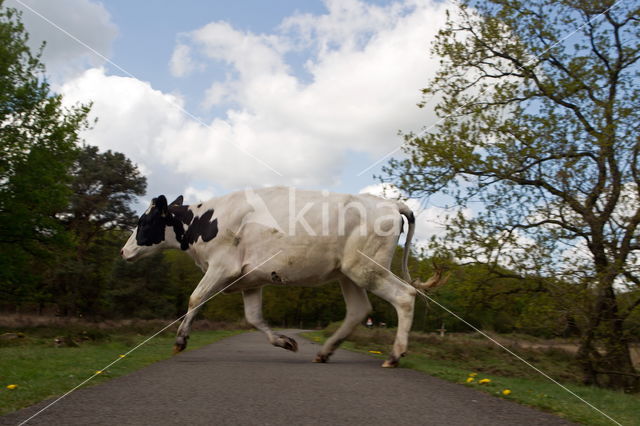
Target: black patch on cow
(199, 227)
(199, 205)
(151, 225)
(178, 201)
(180, 216)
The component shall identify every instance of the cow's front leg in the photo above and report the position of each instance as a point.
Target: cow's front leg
(253, 312)
(214, 280)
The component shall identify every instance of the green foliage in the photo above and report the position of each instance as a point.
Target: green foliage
(103, 186)
(37, 148)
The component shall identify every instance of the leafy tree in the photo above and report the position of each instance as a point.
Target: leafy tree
(103, 186)
(539, 110)
(37, 148)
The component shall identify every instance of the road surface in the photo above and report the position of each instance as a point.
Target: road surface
(242, 380)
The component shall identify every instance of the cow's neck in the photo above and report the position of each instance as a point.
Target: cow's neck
(181, 218)
(188, 227)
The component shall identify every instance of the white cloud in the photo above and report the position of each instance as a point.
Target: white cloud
(132, 116)
(349, 24)
(148, 126)
(368, 66)
(194, 195)
(384, 190)
(253, 56)
(87, 20)
(216, 94)
(364, 75)
(182, 62)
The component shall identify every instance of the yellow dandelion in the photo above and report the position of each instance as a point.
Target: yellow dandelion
(375, 352)
(482, 381)
(506, 392)
(470, 379)
(473, 374)
(11, 387)
(122, 355)
(99, 372)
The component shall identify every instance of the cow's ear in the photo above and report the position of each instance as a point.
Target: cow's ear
(161, 205)
(177, 202)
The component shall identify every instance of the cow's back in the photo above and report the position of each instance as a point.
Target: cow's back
(312, 231)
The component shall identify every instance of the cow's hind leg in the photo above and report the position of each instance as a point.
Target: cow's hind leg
(214, 280)
(401, 295)
(358, 306)
(253, 312)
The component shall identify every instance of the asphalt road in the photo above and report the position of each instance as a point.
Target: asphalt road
(242, 380)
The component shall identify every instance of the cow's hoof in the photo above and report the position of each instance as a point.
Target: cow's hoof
(390, 363)
(288, 343)
(181, 344)
(321, 358)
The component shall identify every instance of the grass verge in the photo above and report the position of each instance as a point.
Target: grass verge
(42, 370)
(462, 358)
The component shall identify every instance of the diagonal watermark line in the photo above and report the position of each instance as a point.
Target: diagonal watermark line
(120, 358)
(500, 345)
(170, 102)
(393, 151)
(424, 131)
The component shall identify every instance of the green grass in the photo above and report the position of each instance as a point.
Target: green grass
(41, 370)
(455, 359)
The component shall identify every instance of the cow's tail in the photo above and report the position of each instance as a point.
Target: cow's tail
(439, 277)
(411, 220)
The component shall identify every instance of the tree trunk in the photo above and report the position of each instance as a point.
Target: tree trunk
(616, 364)
(605, 330)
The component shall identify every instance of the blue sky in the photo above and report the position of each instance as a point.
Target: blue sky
(218, 96)
(164, 24)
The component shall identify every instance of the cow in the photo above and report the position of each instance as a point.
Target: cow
(282, 236)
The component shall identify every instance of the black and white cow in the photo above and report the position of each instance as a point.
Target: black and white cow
(281, 236)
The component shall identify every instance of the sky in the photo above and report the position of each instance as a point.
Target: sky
(210, 97)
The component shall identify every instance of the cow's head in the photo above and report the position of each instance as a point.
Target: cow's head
(154, 231)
